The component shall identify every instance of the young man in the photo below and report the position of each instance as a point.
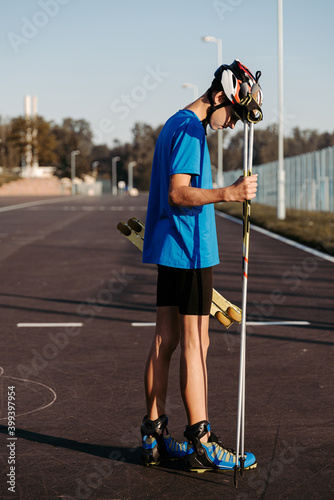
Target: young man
(181, 238)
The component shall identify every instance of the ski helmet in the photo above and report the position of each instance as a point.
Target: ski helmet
(242, 90)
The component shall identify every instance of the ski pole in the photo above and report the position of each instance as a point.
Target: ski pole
(247, 170)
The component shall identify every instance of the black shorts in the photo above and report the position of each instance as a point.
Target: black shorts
(188, 289)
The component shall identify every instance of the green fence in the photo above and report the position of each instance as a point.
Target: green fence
(309, 181)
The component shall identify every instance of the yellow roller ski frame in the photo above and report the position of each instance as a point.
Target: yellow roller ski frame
(221, 309)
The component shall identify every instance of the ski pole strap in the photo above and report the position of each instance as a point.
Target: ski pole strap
(248, 109)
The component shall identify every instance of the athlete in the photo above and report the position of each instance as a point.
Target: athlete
(181, 238)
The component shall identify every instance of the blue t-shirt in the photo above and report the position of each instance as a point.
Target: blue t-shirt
(180, 237)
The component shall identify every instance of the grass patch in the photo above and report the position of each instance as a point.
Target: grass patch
(7, 178)
(314, 229)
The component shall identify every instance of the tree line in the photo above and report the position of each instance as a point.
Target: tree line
(55, 142)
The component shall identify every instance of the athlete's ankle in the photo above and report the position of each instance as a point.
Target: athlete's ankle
(158, 444)
(205, 438)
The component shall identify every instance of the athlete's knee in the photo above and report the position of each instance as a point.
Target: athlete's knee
(166, 345)
(195, 342)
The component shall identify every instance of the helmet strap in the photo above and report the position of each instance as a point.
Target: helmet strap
(212, 108)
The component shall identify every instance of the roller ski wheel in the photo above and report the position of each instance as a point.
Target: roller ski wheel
(223, 319)
(235, 314)
(223, 310)
(137, 226)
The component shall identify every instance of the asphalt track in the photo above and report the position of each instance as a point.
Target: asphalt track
(78, 389)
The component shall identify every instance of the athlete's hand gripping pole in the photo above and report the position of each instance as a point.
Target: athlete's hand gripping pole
(247, 166)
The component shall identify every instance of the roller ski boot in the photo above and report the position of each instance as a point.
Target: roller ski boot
(158, 444)
(211, 456)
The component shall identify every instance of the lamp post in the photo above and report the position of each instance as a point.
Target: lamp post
(214, 174)
(130, 174)
(191, 86)
(95, 164)
(114, 161)
(220, 131)
(281, 211)
(73, 173)
(219, 47)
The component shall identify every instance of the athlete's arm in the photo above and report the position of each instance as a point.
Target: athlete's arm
(182, 194)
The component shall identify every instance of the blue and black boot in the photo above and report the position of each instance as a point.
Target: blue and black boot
(158, 444)
(202, 457)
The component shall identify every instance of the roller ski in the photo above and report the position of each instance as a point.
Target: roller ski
(158, 444)
(221, 309)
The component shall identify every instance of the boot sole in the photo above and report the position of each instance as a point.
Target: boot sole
(153, 464)
(217, 469)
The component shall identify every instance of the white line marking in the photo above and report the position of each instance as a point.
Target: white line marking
(84, 208)
(252, 323)
(277, 323)
(275, 236)
(46, 325)
(143, 324)
(30, 382)
(32, 204)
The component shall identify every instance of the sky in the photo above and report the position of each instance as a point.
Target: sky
(115, 63)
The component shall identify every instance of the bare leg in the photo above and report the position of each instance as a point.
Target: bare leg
(193, 370)
(165, 341)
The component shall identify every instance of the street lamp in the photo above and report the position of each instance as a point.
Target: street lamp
(73, 155)
(95, 164)
(130, 174)
(220, 131)
(219, 47)
(191, 86)
(114, 161)
(214, 174)
(281, 208)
